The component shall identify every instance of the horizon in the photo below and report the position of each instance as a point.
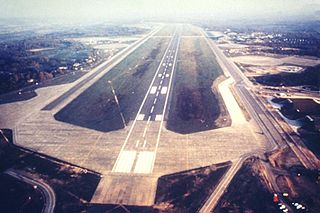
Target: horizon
(175, 10)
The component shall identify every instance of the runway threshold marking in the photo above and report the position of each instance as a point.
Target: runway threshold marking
(158, 118)
(144, 162)
(126, 160)
(140, 117)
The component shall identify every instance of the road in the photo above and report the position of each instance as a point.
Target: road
(138, 152)
(102, 68)
(46, 190)
(262, 117)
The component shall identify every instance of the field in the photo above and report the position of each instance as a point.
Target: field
(96, 107)
(274, 61)
(186, 191)
(190, 30)
(194, 106)
(179, 192)
(167, 30)
(309, 77)
(29, 91)
(246, 193)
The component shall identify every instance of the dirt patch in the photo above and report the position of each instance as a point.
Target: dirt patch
(96, 107)
(305, 186)
(247, 192)
(194, 105)
(283, 159)
(302, 185)
(187, 191)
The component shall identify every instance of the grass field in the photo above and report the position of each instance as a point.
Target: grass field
(188, 190)
(247, 192)
(194, 106)
(96, 107)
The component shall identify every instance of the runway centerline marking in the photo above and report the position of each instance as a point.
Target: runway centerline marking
(165, 104)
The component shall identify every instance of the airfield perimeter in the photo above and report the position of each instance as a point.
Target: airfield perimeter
(133, 158)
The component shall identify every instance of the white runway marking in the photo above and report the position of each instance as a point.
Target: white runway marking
(155, 101)
(152, 108)
(165, 105)
(144, 162)
(170, 65)
(125, 162)
(167, 75)
(120, 158)
(144, 143)
(140, 117)
(164, 90)
(137, 143)
(164, 64)
(159, 75)
(158, 117)
(153, 90)
(144, 132)
(157, 94)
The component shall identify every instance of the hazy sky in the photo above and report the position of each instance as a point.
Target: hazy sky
(111, 9)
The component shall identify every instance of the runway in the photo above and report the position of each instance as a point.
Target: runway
(138, 152)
